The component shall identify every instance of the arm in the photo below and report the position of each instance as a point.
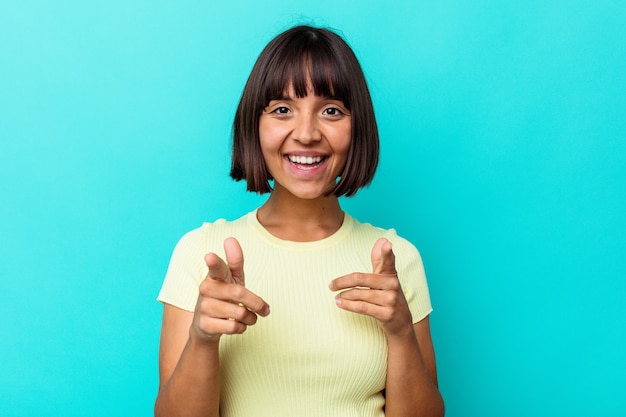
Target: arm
(411, 386)
(188, 369)
(189, 352)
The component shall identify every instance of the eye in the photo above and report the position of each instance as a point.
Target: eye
(332, 111)
(280, 110)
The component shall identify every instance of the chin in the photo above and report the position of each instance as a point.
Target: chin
(310, 194)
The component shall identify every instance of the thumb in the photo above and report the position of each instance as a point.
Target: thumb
(234, 259)
(383, 259)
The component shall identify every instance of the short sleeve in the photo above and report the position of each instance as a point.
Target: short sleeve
(186, 271)
(412, 277)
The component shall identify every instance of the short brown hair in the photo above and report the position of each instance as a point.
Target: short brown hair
(295, 57)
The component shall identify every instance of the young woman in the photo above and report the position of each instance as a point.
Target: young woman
(297, 308)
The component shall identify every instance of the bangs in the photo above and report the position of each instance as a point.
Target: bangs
(307, 60)
(305, 64)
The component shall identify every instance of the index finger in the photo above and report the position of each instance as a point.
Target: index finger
(251, 301)
(364, 280)
(218, 269)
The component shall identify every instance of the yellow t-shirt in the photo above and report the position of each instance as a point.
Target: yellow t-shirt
(308, 357)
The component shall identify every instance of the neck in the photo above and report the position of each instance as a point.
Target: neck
(301, 220)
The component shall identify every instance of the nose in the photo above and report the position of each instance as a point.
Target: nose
(306, 130)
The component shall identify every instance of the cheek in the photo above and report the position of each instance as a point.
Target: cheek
(344, 139)
(269, 137)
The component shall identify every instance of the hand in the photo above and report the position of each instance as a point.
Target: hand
(224, 304)
(377, 294)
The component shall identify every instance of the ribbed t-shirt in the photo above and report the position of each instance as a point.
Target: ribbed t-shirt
(308, 357)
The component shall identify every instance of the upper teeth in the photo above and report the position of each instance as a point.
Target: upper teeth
(305, 159)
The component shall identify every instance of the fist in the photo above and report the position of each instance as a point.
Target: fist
(225, 305)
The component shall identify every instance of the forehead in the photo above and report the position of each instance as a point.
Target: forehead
(301, 76)
(290, 91)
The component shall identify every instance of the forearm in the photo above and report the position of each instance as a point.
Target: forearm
(410, 389)
(194, 387)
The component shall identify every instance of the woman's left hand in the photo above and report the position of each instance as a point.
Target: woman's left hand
(377, 294)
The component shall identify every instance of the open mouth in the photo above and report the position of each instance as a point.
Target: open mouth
(306, 162)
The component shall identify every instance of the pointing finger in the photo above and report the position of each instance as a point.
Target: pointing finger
(234, 259)
(383, 259)
(218, 269)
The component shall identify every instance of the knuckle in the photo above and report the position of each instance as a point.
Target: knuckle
(240, 313)
(357, 279)
(205, 304)
(386, 316)
(392, 298)
(235, 327)
(394, 284)
(362, 308)
(238, 291)
(205, 287)
(204, 323)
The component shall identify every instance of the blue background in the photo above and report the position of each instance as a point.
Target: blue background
(503, 129)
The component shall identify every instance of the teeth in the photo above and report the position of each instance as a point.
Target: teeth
(305, 160)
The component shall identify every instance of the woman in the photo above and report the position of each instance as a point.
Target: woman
(348, 332)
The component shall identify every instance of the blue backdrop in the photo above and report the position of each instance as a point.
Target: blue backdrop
(503, 143)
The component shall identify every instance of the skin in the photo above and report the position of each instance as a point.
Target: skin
(296, 210)
(411, 386)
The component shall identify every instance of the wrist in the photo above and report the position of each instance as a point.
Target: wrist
(404, 335)
(203, 340)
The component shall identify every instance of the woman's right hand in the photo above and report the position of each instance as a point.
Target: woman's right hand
(225, 305)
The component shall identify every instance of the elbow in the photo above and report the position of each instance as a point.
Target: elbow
(439, 409)
(157, 409)
(435, 408)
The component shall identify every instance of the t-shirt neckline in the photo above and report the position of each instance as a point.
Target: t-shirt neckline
(331, 240)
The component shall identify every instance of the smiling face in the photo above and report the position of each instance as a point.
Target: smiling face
(305, 142)
(312, 63)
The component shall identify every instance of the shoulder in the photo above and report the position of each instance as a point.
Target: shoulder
(369, 232)
(210, 233)
(408, 259)
(409, 266)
